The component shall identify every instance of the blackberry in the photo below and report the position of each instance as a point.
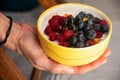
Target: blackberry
(96, 27)
(80, 45)
(89, 16)
(70, 20)
(65, 22)
(80, 31)
(104, 28)
(90, 22)
(73, 41)
(72, 27)
(96, 20)
(90, 34)
(81, 37)
(78, 17)
(82, 14)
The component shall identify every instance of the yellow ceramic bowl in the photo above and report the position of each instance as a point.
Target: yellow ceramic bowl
(71, 56)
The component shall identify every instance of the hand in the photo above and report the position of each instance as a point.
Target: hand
(93, 65)
(28, 46)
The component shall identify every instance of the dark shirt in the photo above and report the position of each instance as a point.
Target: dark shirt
(17, 5)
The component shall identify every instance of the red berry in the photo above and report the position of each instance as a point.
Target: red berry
(90, 42)
(64, 28)
(65, 44)
(60, 38)
(56, 17)
(102, 22)
(53, 23)
(47, 30)
(61, 21)
(52, 36)
(68, 34)
(99, 34)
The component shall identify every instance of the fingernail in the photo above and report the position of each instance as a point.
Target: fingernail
(105, 61)
(68, 70)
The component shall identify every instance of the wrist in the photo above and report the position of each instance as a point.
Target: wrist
(4, 24)
(13, 35)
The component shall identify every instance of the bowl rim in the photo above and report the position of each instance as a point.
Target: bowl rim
(77, 4)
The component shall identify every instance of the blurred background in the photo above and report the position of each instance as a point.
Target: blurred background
(108, 71)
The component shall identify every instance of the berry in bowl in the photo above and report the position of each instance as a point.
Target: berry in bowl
(74, 34)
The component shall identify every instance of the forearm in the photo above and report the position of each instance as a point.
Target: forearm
(14, 33)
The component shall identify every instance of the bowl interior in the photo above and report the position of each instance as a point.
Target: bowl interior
(72, 9)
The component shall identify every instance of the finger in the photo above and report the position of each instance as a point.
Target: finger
(91, 66)
(98, 62)
(38, 67)
(107, 52)
(55, 67)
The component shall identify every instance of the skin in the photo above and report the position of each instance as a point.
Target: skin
(23, 39)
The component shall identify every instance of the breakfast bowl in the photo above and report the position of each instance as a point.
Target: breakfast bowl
(72, 56)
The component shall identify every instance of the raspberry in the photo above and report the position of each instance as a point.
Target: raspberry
(102, 22)
(57, 29)
(60, 38)
(78, 31)
(52, 36)
(53, 23)
(61, 21)
(59, 18)
(89, 43)
(47, 30)
(68, 34)
(65, 44)
(56, 17)
(99, 34)
(64, 28)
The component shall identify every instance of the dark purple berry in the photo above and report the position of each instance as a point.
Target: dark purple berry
(72, 27)
(90, 22)
(81, 37)
(80, 31)
(65, 22)
(80, 44)
(82, 14)
(90, 34)
(86, 28)
(73, 41)
(89, 16)
(96, 27)
(104, 28)
(96, 20)
(70, 20)
(81, 24)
